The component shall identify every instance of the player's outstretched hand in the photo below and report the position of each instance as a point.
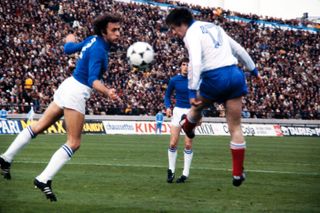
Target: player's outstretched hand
(112, 94)
(168, 112)
(258, 80)
(71, 38)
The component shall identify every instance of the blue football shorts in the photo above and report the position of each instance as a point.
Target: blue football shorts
(222, 84)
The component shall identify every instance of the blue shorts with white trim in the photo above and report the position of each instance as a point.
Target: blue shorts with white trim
(222, 84)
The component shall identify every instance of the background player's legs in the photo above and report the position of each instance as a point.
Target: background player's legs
(50, 116)
(158, 128)
(188, 154)
(237, 144)
(172, 151)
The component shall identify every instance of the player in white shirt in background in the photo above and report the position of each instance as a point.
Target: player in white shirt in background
(213, 76)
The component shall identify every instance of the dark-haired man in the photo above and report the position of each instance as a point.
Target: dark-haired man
(70, 99)
(214, 75)
(179, 85)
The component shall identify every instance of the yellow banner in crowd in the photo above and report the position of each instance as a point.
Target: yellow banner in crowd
(59, 127)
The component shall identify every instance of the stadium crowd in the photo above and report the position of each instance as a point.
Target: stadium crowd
(32, 63)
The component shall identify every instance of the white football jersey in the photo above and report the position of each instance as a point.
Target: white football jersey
(209, 48)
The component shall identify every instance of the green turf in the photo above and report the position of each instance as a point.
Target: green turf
(128, 174)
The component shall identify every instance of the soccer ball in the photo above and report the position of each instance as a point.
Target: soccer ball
(140, 54)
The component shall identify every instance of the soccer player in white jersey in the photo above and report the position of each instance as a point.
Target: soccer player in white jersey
(179, 85)
(214, 75)
(70, 99)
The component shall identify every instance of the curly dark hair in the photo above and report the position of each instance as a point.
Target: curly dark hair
(100, 23)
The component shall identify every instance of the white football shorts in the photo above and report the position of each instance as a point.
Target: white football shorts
(72, 94)
(176, 115)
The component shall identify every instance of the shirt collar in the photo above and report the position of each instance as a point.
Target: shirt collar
(192, 22)
(106, 44)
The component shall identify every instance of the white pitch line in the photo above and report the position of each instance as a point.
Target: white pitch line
(160, 166)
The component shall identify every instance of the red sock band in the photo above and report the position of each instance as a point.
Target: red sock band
(237, 161)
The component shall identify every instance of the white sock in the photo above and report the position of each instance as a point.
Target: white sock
(57, 161)
(21, 140)
(188, 154)
(234, 145)
(172, 156)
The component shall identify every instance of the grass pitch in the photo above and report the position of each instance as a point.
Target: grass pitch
(113, 173)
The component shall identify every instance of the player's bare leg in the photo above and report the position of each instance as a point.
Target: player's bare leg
(74, 123)
(237, 144)
(50, 116)
(172, 152)
(190, 121)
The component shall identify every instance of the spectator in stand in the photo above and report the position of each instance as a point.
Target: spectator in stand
(245, 113)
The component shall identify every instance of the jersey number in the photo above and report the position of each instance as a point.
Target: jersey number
(217, 42)
(87, 46)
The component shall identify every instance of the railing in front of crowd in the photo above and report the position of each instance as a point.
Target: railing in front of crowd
(299, 122)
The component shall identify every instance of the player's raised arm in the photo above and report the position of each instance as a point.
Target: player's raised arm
(242, 55)
(71, 46)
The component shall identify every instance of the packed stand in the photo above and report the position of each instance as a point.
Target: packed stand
(31, 48)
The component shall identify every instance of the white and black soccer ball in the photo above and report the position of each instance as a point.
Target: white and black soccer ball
(140, 54)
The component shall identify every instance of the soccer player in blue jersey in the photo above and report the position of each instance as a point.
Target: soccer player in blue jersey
(213, 74)
(70, 99)
(159, 122)
(179, 85)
